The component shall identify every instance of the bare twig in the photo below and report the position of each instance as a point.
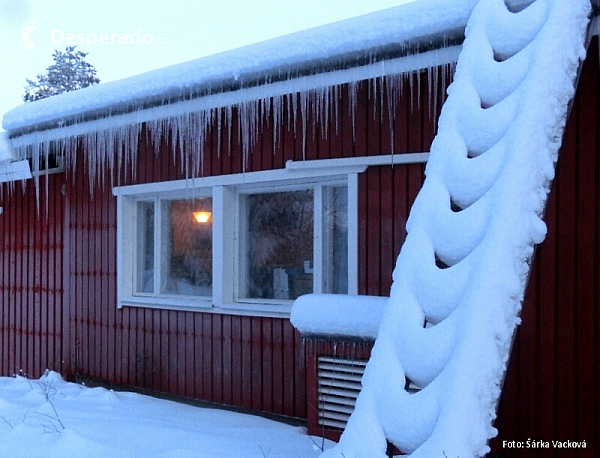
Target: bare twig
(263, 452)
(7, 421)
(49, 392)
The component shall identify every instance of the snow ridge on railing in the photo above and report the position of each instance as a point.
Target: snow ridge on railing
(460, 277)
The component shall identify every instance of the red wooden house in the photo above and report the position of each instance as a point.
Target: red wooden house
(172, 219)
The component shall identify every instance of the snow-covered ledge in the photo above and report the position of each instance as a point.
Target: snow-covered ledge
(10, 169)
(338, 315)
(5, 151)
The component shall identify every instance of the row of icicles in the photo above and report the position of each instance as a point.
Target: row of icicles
(109, 152)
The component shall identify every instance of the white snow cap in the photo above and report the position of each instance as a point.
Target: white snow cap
(337, 315)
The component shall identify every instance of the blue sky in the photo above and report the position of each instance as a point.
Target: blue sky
(123, 31)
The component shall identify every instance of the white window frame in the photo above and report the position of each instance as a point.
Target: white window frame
(159, 262)
(225, 192)
(127, 256)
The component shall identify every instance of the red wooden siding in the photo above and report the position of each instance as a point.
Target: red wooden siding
(70, 322)
(553, 380)
(385, 197)
(33, 334)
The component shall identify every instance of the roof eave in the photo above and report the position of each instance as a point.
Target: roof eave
(434, 41)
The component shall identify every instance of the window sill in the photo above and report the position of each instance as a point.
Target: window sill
(171, 303)
(197, 305)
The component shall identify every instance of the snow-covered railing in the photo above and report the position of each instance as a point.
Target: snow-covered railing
(463, 268)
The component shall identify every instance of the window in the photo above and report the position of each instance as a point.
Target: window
(174, 247)
(294, 242)
(51, 162)
(246, 244)
(278, 239)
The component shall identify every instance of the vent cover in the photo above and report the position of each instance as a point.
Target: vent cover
(339, 385)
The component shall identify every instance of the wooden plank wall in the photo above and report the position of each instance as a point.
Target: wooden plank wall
(33, 322)
(552, 390)
(70, 322)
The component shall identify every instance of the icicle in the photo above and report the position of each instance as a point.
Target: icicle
(418, 72)
(277, 119)
(326, 109)
(229, 118)
(304, 115)
(380, 82)
(337, 98)
(294, 98)
(314, 107)
(393, 85)
(352, 95)
(219, 113)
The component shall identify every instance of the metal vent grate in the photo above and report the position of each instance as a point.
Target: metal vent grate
(339, 385)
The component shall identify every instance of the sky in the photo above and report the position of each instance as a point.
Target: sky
(142, 35)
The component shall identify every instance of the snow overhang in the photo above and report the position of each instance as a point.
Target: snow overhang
(5, 150)
(11, 169)
(14, 171)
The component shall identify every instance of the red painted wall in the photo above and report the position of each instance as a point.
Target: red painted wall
(33, 322)
(552, 389)
(58, 277)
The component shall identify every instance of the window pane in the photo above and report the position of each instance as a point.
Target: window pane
(186, 248)
(279, 245)
(145, 236)
(335, 247)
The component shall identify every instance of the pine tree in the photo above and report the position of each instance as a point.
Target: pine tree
(69, 72)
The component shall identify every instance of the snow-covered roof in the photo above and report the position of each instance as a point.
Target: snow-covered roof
(386, 46)
(379, 36)
(5, 153)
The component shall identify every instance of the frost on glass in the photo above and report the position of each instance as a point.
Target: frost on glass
(186, 247)
(335, 240)
(279, 244)
(145, 235)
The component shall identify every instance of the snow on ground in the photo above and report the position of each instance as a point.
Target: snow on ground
(50, 417)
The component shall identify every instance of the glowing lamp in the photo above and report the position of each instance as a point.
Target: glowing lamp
(202, 217)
